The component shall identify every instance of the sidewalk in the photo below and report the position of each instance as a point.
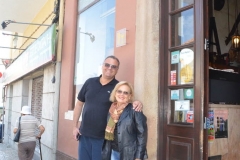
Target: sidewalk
(7, 153)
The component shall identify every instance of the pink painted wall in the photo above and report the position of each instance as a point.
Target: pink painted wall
(125, 18)
(66, 144)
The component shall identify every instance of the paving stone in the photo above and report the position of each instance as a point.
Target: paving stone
(7, 153)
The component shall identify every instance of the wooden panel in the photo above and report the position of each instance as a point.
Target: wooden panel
(180, 148)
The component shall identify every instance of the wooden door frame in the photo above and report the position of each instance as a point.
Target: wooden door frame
(162, 79)
(200, 61)
(207, 13)
(202, 78)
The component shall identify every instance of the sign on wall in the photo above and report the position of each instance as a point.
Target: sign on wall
(121, 37)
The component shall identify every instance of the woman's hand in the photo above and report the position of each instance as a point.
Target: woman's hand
(15, 130)
(137, 106)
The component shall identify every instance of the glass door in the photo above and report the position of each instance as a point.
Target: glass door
(184, 79)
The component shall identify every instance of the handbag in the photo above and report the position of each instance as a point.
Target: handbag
(106, 150)
(17, 136)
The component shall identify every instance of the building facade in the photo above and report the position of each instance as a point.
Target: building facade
(32, 76)
(164, 48)
(112, 23)
(164, 52)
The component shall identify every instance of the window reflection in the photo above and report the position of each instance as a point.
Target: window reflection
(98, 21)
(176, 4)
(182, 30)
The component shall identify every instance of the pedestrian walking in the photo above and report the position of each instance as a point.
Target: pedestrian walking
(27, 141)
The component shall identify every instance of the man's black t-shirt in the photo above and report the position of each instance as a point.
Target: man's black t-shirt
(96, 106)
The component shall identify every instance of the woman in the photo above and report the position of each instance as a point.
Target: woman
(27, 141)
(126, 131)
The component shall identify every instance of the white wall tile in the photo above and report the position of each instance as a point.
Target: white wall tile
(47, 136)
(48, 86)
(47, 106)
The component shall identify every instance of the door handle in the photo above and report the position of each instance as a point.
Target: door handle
(206, 124)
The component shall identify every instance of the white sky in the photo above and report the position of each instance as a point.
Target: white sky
(5, 41)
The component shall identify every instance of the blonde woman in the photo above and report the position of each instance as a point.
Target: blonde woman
(126, 130)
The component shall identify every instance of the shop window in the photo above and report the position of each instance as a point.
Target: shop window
(182, 28)
(178, 4)
(181, 63)
(95, 40)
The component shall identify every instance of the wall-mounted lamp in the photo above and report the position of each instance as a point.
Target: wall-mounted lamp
(11, 48)
(92, 37)
(15, 35)
(7, 22)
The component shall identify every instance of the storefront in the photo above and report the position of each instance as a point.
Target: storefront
(29, 81)
(164, 52)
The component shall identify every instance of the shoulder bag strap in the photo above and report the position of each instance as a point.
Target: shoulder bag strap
(19, 125)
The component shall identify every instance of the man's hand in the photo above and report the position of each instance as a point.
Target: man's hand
(76, 114)
(76, 133)
(137, 106)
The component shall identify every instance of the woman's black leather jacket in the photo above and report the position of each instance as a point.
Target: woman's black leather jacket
(132, 136)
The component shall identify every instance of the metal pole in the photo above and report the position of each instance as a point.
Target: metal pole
(40, 147)
(11, 48)
(29, 23)
(17, 36)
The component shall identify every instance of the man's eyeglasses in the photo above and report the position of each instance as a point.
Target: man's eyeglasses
(124, 92)
(107, 65)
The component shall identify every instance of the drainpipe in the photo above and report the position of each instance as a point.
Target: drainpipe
(57, 78)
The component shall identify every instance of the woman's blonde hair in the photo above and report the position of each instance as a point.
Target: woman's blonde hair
(122, 83)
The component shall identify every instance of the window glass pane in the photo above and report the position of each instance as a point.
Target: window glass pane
(84, 3)
(182, 105)
(176, 4)
(95, 40)
(182, 28)
(182, 66)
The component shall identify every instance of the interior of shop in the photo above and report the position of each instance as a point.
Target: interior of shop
(224, 39)
(224, 80)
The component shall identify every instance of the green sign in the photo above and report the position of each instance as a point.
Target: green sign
(36, 55)
(188, 93)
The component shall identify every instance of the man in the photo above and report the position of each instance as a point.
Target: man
(27, 141)
(94, 95)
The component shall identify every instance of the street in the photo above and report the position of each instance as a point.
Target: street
(7, 153)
